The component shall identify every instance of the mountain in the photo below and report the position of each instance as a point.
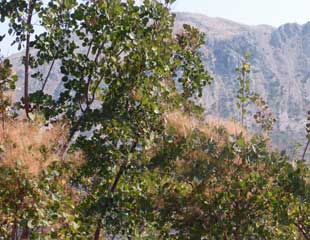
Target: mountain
(280, 59)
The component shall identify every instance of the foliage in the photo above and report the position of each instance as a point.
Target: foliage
(38, 207)
(144, 174)
(7, 83)
(239, 190)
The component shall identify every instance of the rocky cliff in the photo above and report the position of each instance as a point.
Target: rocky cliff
(280, 59)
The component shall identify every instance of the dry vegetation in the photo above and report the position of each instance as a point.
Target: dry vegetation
(212, 126)
(30, 146)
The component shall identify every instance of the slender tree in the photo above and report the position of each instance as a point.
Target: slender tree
(307, 136)
(243, 95)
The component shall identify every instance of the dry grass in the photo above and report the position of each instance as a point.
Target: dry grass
(34, 148)
(182, 123)
(231, 127)
(185, 124)
(30, 146)
(213, 128)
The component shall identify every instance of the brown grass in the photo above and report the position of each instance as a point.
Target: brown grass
(213, 128)
(185, 124)
(30, 146)
(232, 127)
(182, 123)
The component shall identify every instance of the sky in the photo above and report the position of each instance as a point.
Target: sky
(252, 12)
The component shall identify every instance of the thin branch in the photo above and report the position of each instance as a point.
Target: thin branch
(90, 76)
(89, 48)
(49, 72)
(98, 83)
(305, 151)
(27, 57)
(120, 52)
(302, 231)
(95, 90)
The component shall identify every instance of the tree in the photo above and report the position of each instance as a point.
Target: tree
(263, 115)
(117, 85)
(20, 16)
(244, 90)
(307, 136)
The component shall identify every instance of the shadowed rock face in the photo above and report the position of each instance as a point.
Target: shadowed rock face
(280, 59)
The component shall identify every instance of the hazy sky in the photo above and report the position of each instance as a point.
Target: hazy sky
(272, 12)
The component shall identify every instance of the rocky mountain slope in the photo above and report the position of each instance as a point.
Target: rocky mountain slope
(280, 59)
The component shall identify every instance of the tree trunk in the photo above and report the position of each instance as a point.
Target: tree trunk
(113, 189)
(31, 5)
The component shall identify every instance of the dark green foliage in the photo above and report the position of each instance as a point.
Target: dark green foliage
(236, 191)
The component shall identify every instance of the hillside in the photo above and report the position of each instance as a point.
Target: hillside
(280, 58)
